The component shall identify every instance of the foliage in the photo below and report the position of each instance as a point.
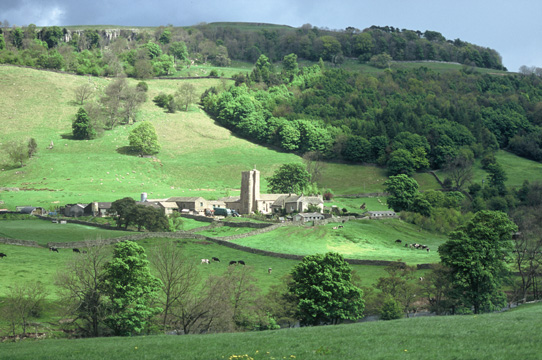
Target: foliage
(289, 178)
(122, 208)
(22, 303)
(322, 284)
(146, 216)
(476, 255)
(17, 151)
(32, 147)
(402, 191)
(390, 310)
(143, 139)
(130, 288)
(82, 126)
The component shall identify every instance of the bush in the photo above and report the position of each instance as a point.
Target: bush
(391, 310)
(213, 73)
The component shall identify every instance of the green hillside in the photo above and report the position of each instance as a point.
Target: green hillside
(511, 335)
(198, 157)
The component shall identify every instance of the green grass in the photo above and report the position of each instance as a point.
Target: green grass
(222, 231)
(510, 335)
(43, 231)
(359, 239)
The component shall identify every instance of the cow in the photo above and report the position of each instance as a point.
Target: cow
(53, 249)
(427, 249)
(335, 228)
(215, 259)
(269, 270)
(340, 226)
(2, 255)
(241, 262)
(233, 262)
(75, 250)
(205, 261)
(398, 241)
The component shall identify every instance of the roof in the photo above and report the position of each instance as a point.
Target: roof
(184, 198)
(269, 197)
(305, 215)
(27, 209)
(146, 203)
(168, 204)
(230, 199)
(312, 199)
(283, 199)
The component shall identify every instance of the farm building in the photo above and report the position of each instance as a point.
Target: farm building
(192, 203)
(305, 217)
(380, 214)
(168, 207)
(31, 210)
(74, 210)
(97, 209)
(297, 203)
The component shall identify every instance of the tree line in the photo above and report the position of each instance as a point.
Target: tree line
(143, 54)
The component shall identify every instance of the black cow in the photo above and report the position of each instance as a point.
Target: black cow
(2, 255)
(399, 241)
(75, 250)
(215, 259)
(233, 262)
(53, 249)
(241, 262)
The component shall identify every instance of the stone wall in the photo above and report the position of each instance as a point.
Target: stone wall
(19, 242)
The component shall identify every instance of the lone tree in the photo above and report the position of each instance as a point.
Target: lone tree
(82, 127)
(324, 289)
(143, 139)
(476, 254)
(131, 289)
(17, 151)
(289, 178)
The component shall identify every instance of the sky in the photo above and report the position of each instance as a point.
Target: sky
(512, 28)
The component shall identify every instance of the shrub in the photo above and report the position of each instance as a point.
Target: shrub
(391, 310)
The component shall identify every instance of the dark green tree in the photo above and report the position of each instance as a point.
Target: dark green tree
(497, 177)
(32, 147)
(131, 288)
(323, 286)
(179, 51)
(401, 162)
(82, 126)
(289, 178)
(148, 217)
(476, 254)
(143, 139)
(402, 190)
(122, 208)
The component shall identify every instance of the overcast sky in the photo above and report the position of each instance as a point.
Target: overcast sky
(513, 28)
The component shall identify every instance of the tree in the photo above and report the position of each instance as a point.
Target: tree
(497, 177)
(32, 147)
(185, 95)
(475, 253)
(80, 291)
(122, 208)
(17, 151)
(83, 92)
(289, 65)
(314, 162)
(401, 162)
(179, 51)
(146, 216)
(180, 279)
(82, 126)
(460, 168)
(130, 288)
(323, 286)
(402, 190)
(23, 302)
(390, 310)
(289, 178)
(143, 139)
(399, 285)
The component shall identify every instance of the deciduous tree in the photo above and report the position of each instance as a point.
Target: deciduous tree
(130, 288)
(289, 178)
(323, 286)
(476, 254)
(143, 139)
(402, 190)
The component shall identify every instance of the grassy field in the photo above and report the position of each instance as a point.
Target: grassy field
(511, 335)
(43, 231)
(363, 239)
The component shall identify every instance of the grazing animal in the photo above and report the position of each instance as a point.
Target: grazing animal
(75, 250)
(233, 262)
(421, 278)
(2, 255)
(399, 241)
(334, 228)
(241, 262)
(204, 261)
(406, 245)
(427, 249)
(215, 259)
(340, 226)
(269, 270)
(53, 249)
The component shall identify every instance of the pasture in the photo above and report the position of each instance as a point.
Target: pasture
(510, 335)
(358, 239)
(43, 231)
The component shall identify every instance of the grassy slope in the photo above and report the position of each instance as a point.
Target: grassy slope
(365, 239)
(197, 158)
(511, 335)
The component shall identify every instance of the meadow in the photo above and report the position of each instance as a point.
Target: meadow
(510, 335)
(359, 239)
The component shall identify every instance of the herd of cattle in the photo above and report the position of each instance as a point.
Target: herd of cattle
(413, 246)
(215, 259)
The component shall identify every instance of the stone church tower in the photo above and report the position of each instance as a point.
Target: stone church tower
(250, 191)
